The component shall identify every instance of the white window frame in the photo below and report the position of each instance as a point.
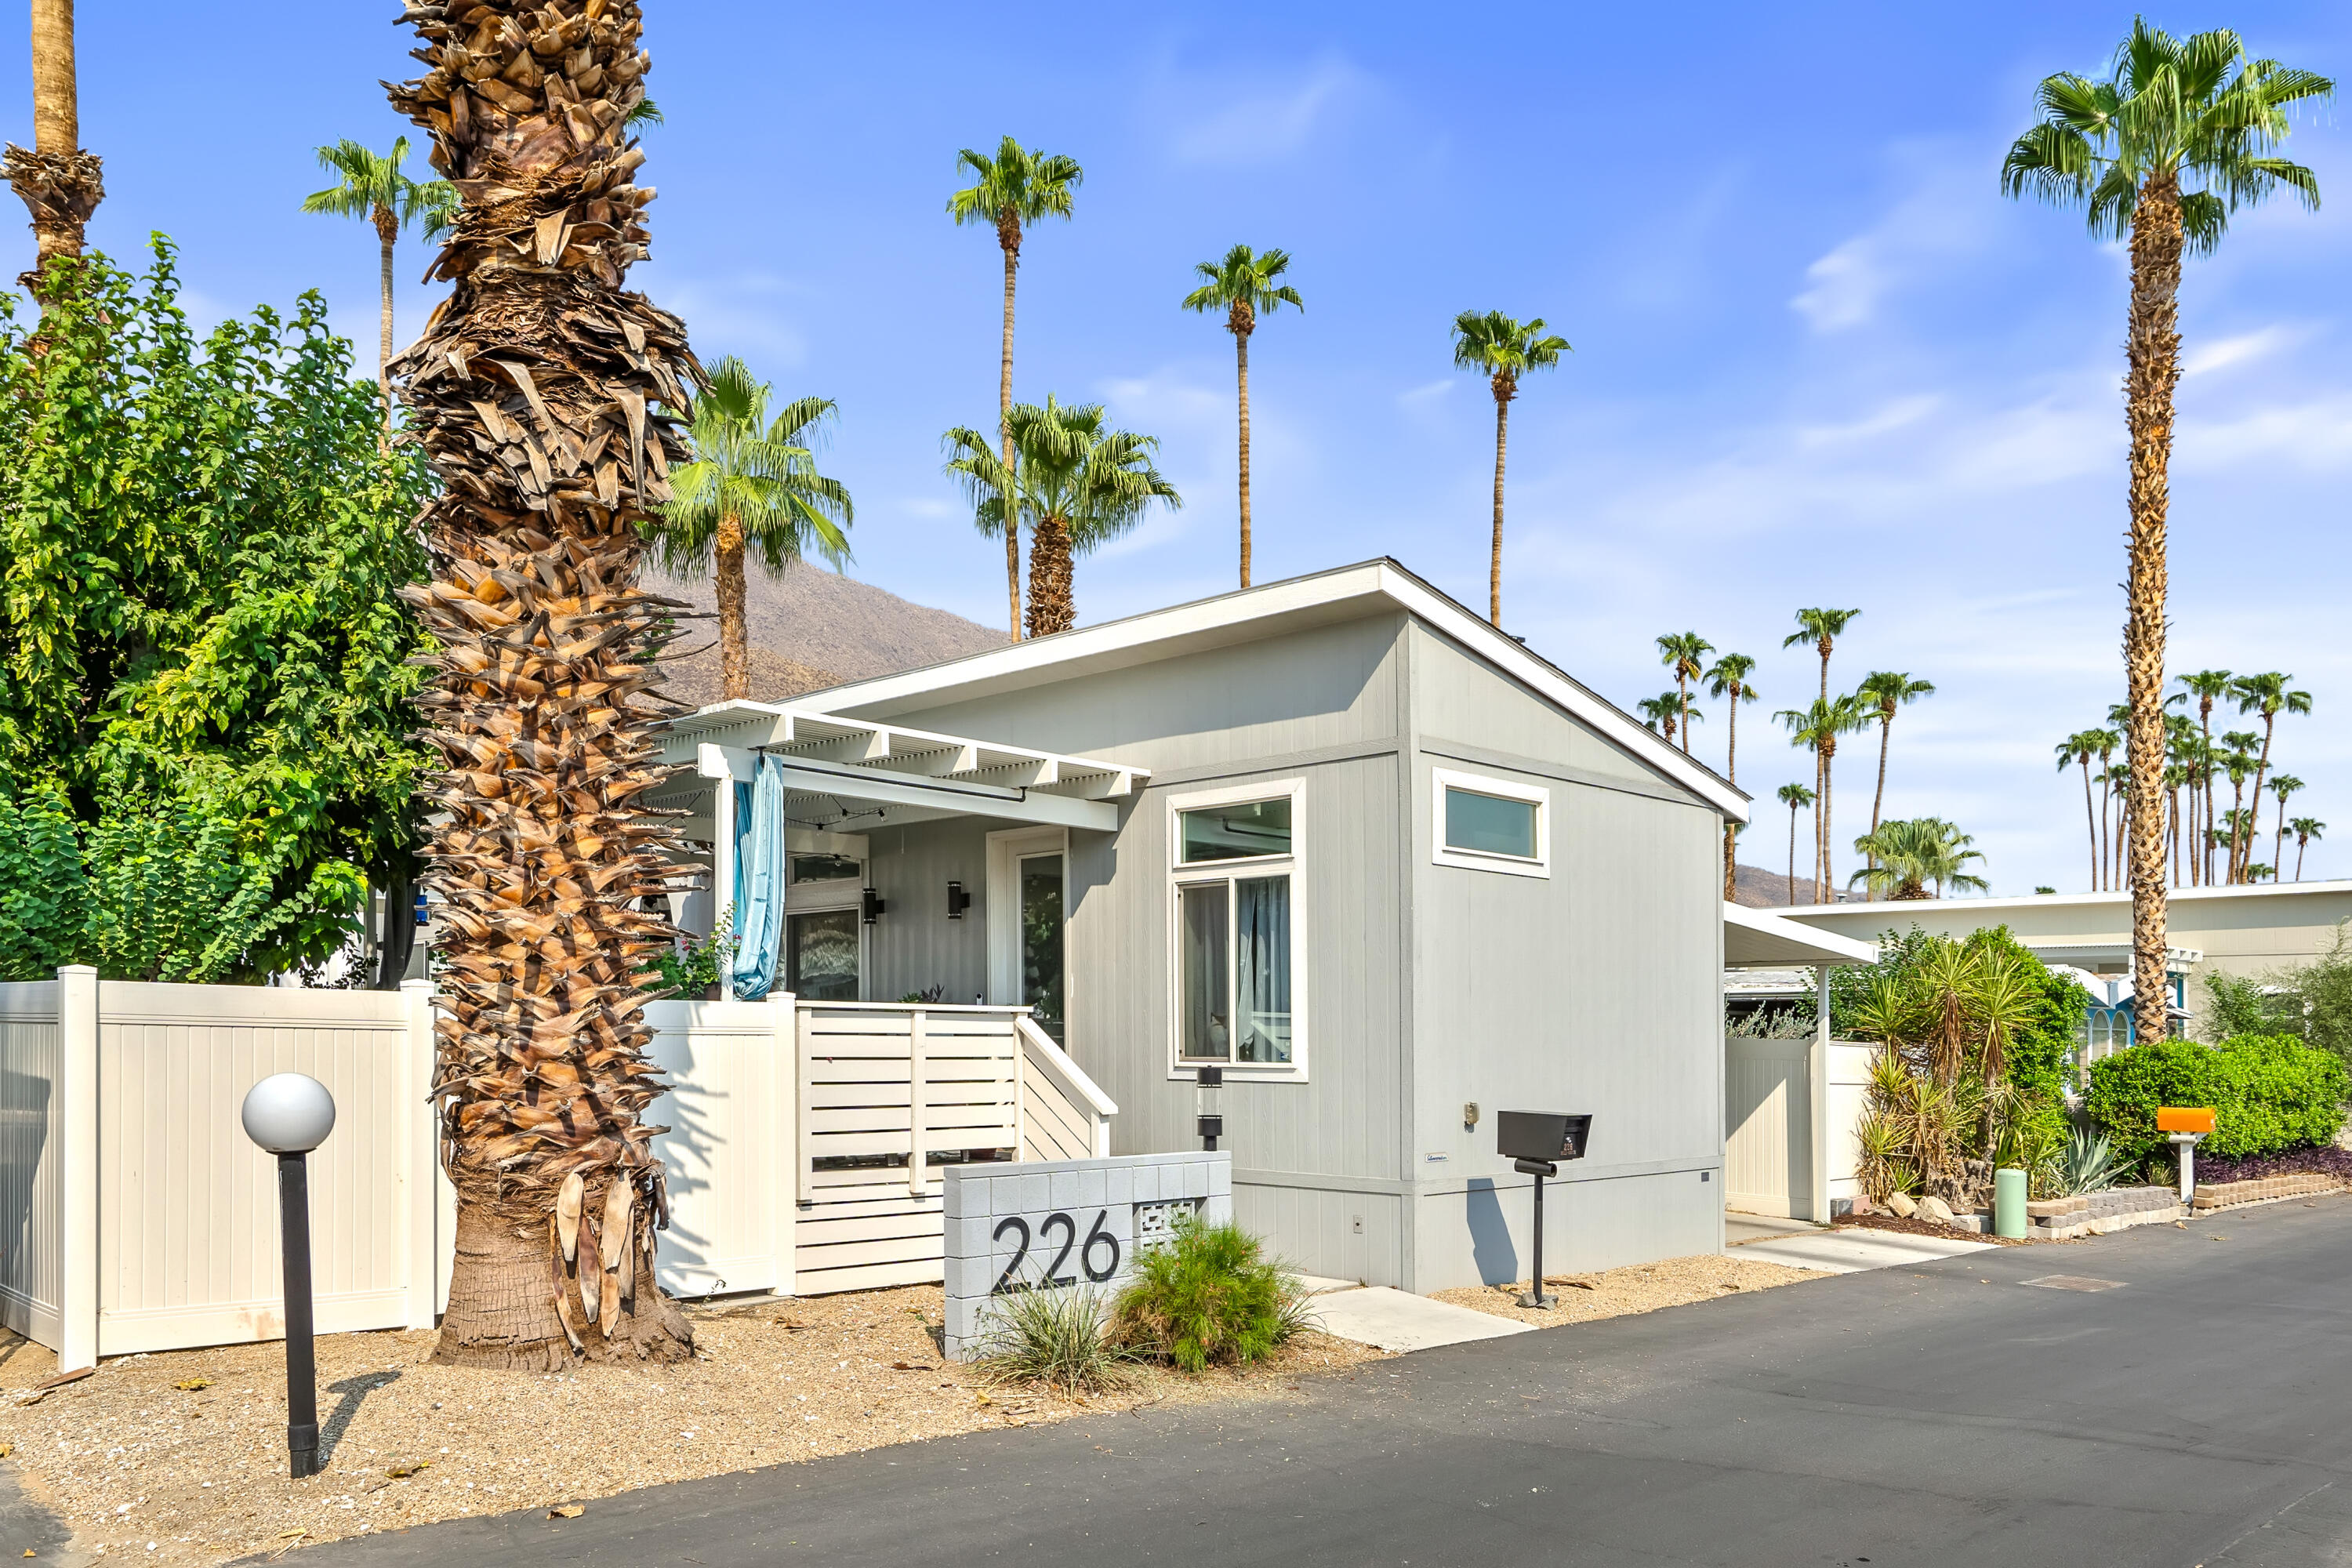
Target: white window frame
(1182, 1068)
(1445, 854)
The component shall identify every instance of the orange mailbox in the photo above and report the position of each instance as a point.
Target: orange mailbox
(2184, 1118)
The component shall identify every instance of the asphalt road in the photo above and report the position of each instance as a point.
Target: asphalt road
(1944, 1413)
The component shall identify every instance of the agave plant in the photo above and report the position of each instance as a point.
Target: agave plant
(2089, 1164)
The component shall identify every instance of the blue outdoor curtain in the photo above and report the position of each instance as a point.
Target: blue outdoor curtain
(759, 881)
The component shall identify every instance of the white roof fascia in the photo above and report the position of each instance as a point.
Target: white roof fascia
(1225, 619)
(1778, 943)
(2078, 900)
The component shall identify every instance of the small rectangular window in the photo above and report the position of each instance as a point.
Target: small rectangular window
(824, 868)
(1257, 827)
(1488, 825)
(1484, 824)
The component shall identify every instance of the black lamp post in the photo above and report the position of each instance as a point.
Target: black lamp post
(1211, 1120)
(288, 1115)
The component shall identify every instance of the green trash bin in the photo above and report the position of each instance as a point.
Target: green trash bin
(2009, 1204)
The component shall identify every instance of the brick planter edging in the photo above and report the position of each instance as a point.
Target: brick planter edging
(2223, 1195)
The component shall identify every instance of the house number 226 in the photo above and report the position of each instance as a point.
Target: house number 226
(1097, 1239)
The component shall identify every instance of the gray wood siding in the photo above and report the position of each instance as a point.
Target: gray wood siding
(914, 944)
(1460, 704)
(1330, 686)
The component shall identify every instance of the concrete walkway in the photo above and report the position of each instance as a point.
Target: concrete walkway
(1855, 1249)
(1399, 1320)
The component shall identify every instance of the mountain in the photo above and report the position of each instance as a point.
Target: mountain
(811, 628)
(1761, 889)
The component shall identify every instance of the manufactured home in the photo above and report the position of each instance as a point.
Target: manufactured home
(1337, 837)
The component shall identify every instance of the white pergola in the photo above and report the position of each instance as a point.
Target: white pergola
(847, 772)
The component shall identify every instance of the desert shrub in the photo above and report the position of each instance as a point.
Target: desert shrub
(2088, 1162)
(1053, 1337)
(2268, 1093)
(1208, 1296)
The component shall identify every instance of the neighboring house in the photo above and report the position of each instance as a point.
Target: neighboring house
(2238, 931)
(1338, 837)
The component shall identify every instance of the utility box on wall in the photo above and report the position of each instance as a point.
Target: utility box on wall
(1065, 1224)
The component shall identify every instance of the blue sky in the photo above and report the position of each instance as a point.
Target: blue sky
(1819, 358)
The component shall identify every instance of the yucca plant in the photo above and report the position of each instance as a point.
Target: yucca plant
(2088, 1162)
(1885, 1166)
(1055, 1338)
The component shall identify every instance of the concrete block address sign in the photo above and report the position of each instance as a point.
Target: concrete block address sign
(1065, 1224)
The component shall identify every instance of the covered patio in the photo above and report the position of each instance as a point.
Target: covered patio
(1790, 1105)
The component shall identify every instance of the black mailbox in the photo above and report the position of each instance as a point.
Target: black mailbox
(1541, 1135)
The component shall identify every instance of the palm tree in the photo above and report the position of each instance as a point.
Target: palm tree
(2209, 687)
(1502, 349)
(1684, 653)
(60, 182)
(1821, 628)
(1669, 713)
(2176, 139)
(753, 485)
(550, 451)
(1818, 727)
(2306, 828)
(1885, 690)
(1244, 286)
(1075, 482)
(1905, 856)
(376, 188)
(1010, 191)
(2270, 695)
(2239, 763)
(1728, 679)
(1795, 796)
(2076, 751)
(2281, 787)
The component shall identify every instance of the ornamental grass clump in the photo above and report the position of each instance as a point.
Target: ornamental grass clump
(1208, 1296)
(1055, 1338)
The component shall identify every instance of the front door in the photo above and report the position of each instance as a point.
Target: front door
(1040, 881)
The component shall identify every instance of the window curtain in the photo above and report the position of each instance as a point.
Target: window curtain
(759, 881)
(1263, 962)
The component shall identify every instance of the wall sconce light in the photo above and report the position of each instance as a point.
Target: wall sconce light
(958, 901)
(871, 907)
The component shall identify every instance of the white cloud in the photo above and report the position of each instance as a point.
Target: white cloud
(1428, 393)
(1923, 232)
(753, 316)
(2312, 436)
(2242, 349)
(1259, 121)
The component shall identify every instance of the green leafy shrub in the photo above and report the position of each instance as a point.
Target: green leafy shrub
(1208, 1296)
(692, 971)
(2312, 1001)
(1053, 1337)
(2269, 1092)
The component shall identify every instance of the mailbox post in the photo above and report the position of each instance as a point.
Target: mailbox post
(1536, 1142)
(2186, 1125)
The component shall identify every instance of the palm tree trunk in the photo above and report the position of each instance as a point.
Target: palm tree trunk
(1793, 854)
(2172, 832)
(734, 633)
(2153, 374)
(1011, 242)
(1494, 562)
(2106, 877)
(1878, 800)
(1051, 608)
(1730, 830)
(60, 182)
(1682, 701)
(387, 233)
(2300, 844)
(544, 703)
(2278, 843)
(1823, 892)
(1241, 362)
(2255, 824)
(2090, 817)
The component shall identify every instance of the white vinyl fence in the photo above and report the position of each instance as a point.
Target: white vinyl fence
(802, 1156)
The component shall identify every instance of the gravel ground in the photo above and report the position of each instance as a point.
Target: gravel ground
(138, 1463)
(1639, 1287)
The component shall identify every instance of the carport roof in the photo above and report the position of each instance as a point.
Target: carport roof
(1754, 940)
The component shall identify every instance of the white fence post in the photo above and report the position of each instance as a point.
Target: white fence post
(420, 1156)
(78, 1091)
(786, 1138)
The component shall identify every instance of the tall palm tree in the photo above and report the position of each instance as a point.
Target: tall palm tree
(1245, 286)
(2238, 762)
(374, 187)
(60, 182)
(1017, 187)
(1905, 856)
(1670, 713)
(2281, 787)
(1076, 483)
(2269, 694)
(1884, 691)
(1728, 678)
(753, 487)
(1502, 349)
(1684, 653)
(2306, 828)
(2209, 687)
(1818, 727)
(1821, 628)
(2076, 751)
(547, 395)
(1795, 796)
(2175, 138)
